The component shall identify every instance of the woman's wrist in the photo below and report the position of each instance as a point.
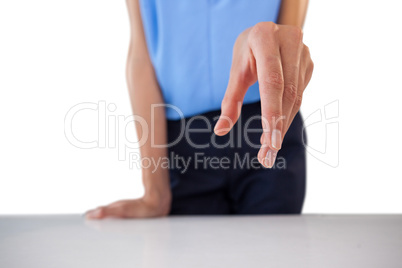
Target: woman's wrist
(157, 189)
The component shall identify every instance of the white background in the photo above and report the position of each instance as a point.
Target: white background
(56, 54)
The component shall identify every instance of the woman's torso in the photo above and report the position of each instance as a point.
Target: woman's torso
(190, 44)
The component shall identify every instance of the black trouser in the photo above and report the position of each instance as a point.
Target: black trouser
(221, 175)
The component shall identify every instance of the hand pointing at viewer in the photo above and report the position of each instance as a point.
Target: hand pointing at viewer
(276, 57)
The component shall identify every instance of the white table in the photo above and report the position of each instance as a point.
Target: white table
(232, 241)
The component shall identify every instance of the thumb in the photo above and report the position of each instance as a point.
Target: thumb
(230, 113)
(231, 105)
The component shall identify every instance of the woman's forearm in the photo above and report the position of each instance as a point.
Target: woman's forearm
(293, 12)
(144, 91)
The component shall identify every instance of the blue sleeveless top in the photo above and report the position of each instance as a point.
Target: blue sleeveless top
(190, 43)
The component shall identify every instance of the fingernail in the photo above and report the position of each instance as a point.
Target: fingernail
(94, 214)
(270, 158)
(216, 127)
(97, 213)
(276, 139)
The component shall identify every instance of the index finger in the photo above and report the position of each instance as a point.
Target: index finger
(265, 47)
